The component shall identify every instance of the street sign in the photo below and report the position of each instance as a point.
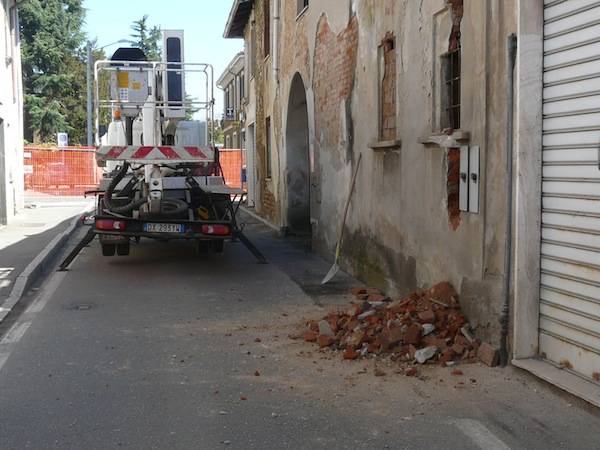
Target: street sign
(62, 139)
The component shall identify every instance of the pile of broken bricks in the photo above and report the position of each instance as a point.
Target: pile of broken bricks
(424, 327)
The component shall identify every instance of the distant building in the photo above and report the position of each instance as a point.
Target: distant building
(233, 85)
(11, 113)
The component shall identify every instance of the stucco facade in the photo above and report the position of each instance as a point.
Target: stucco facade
(232, 83)
(403, 230)
(11, 114)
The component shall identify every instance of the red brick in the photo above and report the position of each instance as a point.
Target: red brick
(427, 316)
(309, 336)
(350, 353)
(413, 334)
(410, 372)
(488, 355)
(393, 335)
(446, 356)
(313, 325)
(458, 349)
(325, 341)
(443, 292)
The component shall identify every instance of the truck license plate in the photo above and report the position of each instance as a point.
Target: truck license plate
(163, 228)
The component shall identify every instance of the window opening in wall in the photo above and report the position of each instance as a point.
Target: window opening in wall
(253, 50)
(268, 146)
(242, 87)
(387, 90)
(451, 89)
(301, 5)
(267, 28)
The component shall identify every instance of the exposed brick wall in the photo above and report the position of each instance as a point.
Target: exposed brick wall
(456, 7)
(452, 186)
(388, 90)
(334, 71)
(266, 203)
(453, 175)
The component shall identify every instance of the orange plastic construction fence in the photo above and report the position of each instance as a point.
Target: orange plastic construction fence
(232, 161)
(68, 171)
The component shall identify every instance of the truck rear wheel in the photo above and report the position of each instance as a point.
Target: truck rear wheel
(123, 249)
(108, 249)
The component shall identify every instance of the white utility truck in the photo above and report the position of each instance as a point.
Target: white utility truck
(162, 174)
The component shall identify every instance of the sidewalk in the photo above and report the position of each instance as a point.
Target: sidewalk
(31, 231)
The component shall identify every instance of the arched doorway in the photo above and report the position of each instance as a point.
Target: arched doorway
(298, 168)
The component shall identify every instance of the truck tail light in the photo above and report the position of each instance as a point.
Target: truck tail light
(110, 225)
(217, 230)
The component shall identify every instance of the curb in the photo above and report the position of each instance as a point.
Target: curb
(33, 270)
(261, 219)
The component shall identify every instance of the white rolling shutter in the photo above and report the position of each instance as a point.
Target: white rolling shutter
(570, 260)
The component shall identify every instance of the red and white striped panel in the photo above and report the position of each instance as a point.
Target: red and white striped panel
(156, 155)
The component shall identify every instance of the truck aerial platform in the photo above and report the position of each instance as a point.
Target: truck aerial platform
(162, 175)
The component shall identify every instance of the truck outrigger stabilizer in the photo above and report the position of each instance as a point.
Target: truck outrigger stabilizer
(236, 235)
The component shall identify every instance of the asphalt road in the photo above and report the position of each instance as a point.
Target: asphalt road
(167, 350)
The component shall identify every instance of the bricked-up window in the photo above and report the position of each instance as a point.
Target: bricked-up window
(267, 28)
(268, 146)
(301, 5)
(387, 101)
(451, 90)
(453, 186)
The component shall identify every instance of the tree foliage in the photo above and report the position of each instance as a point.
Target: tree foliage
(53, 62)
(147, 38)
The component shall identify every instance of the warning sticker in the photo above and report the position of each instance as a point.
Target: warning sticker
(123, 79)
(124, 94)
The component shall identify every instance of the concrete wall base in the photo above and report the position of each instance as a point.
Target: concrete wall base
(565, 380)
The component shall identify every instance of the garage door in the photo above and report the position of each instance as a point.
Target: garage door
(570, 260)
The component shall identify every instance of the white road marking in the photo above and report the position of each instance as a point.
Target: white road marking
(5, 271)
(479, 434)
(39, 303)
(15, 333)
(3, 358)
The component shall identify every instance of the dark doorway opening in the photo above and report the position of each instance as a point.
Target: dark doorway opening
(298, 165)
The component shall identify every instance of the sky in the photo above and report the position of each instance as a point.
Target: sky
(203, 22)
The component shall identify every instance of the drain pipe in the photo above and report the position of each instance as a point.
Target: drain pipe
(276, 19)
(511, 47)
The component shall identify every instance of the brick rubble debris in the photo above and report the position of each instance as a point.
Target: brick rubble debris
(424, 327)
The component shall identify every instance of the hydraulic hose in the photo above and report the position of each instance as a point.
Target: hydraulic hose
(511, 48)
(123, 209)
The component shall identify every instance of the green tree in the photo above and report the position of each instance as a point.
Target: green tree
(219, 136)
(53, 64)
(147, 38)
